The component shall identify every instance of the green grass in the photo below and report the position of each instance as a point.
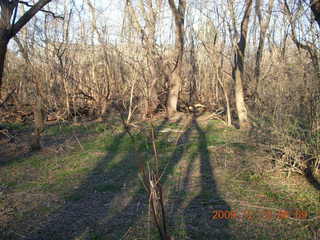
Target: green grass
(250, 177)
(276, 196)
(14, 126)
(68, 129)
(73, 176)
(215, 140)
(65, 130)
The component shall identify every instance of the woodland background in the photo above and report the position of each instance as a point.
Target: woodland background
(253, 64)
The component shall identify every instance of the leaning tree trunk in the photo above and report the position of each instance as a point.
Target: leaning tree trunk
(238, 71)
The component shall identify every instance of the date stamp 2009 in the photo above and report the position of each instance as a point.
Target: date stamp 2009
(255, 215)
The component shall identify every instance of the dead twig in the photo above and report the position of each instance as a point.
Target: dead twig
(82, 148)
(151, 182)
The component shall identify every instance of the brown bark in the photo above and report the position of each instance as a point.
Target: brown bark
(7, 9)
(264, 24)
(153, 95)
(39, 118)
(311, 49)
(25, 18)
(38, 110)
(238, 71)
(3, 52)
(315, 7)
(151, 100)
(175, 80)
(8, 30)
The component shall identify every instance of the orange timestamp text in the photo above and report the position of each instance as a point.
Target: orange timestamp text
(262, 214)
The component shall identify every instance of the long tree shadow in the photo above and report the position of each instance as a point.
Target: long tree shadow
(198, 215)
(72, 219)
(101, 207)
(135, 209)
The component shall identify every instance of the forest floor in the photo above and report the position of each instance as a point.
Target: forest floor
(218, 183)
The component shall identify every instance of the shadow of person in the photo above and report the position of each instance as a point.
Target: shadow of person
(198, 215)
(133, 210)
(85, 206)
(107, 202)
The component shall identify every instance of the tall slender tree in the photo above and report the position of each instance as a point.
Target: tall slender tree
(238, 70)
(149, 15)
(264, 25)
(175, 79)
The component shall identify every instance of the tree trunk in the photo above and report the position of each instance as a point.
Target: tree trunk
(153, 95)
(3, 51)
(174, 88)
(240, 103)
(175, 80)
(103, 109)
(152, 100)
(315, 7)
(264, 25)
(9, 30)
(238, 69)
(39, 117)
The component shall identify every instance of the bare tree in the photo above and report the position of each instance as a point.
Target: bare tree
(9, 27)
(150, 12)
(238, 68)
(175, 80)
(263, 24)
(102, 85)
(38, 106)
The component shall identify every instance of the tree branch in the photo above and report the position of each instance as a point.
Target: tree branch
(42, 10)
(28, 15)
